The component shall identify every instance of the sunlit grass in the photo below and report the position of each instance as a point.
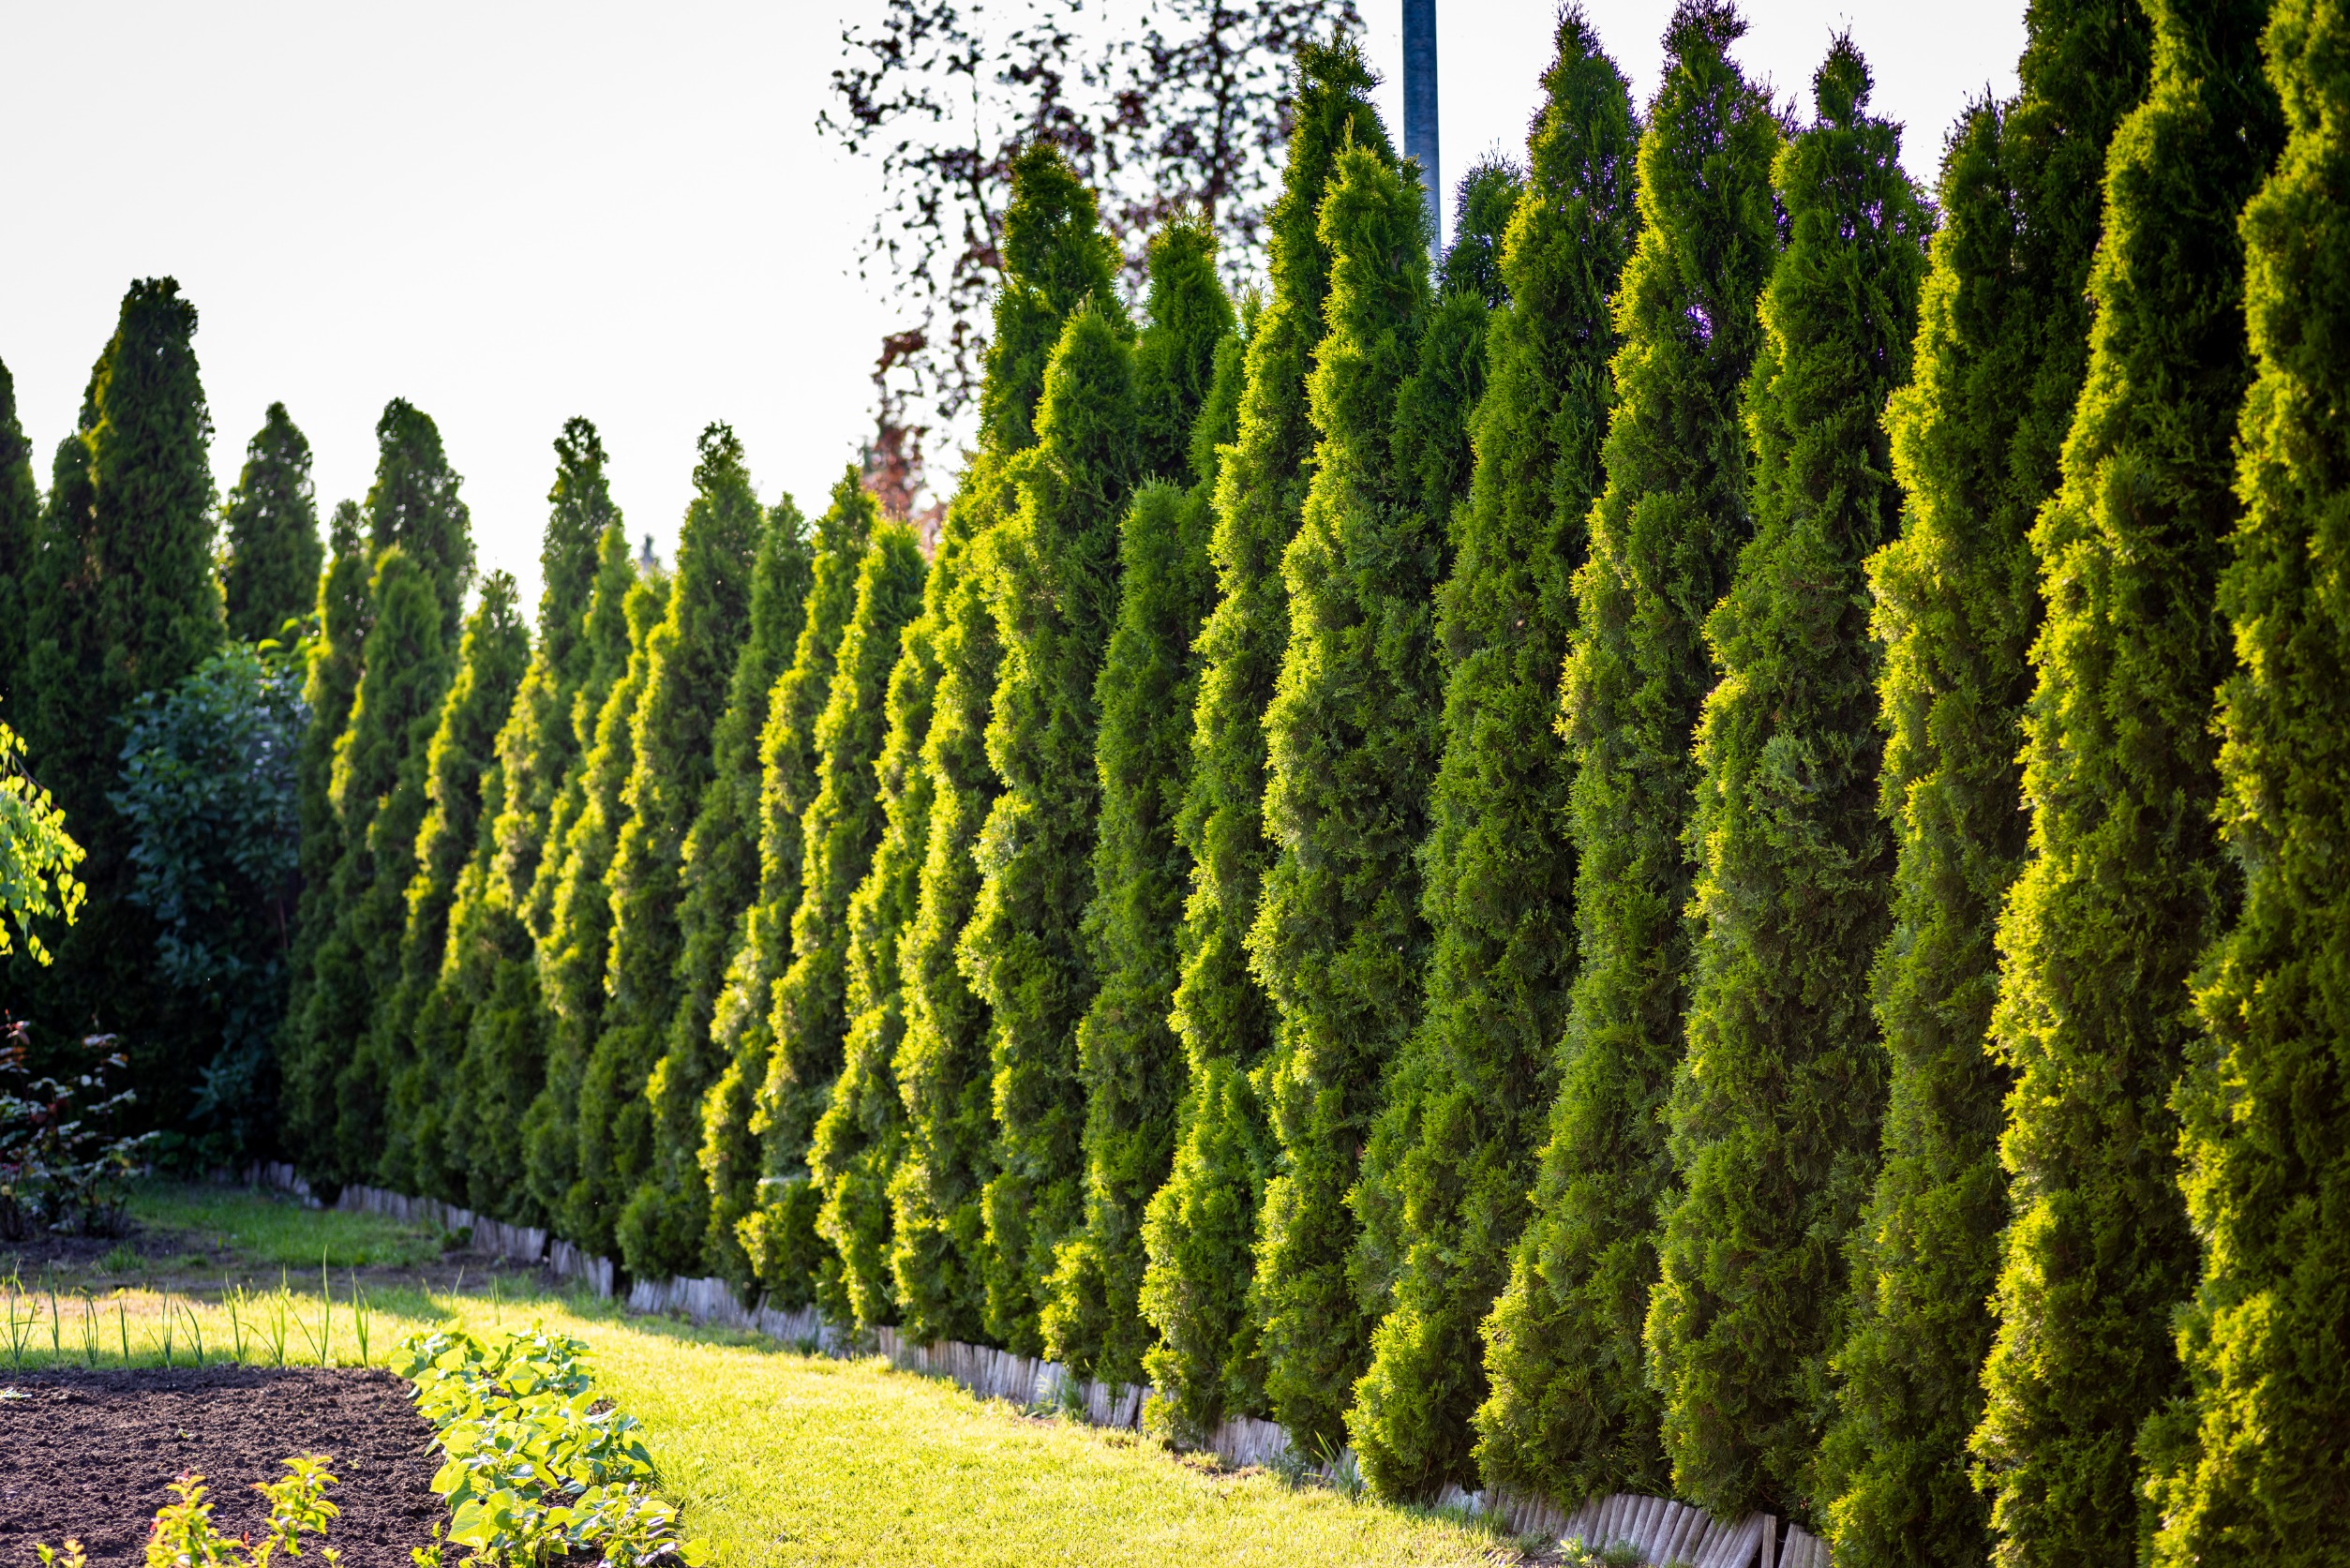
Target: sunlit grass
(269, 1231)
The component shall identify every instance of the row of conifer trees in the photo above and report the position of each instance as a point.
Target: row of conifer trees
(1437, 857)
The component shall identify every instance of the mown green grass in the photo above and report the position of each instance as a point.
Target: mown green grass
(777, 1457)
(269, 1231)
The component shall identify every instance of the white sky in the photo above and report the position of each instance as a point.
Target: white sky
(510, 213)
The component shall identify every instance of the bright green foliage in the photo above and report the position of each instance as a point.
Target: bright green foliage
(1057, 261)
(730, 1153)
(2267, 1102)
(1128, 1059)
(689, 659)
(124, 603)
(575, 937)
(20, 545)
(1571, 1412)
(2002, 343)
(271, 520)
(2125, 887)
(36, 856)
(419, 1028)
(413, 503)
(663, 1226)
(1351, 744)
(1200, 1232)
(335, 1083)
(1775, 1111)
(1454, 1147)
(809, 1018)
(491, 970)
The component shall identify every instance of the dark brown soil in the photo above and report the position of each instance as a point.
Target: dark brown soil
(93, 1455)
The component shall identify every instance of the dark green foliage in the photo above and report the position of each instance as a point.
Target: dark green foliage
(1059, 263)
(663, 1228)
(1350, 743)
(1451, 1163)
(730, 1153)
(1571, 1414)
(689, 659)
(1775, 1111)
(379, 795)
(20, 549)
(809, 1018)
(414, 504)
(271, 520)
(2125, 887)
(1128, 1059)
(209, 802)
(1200, 1232)
(861, 1138)
(419, 1029)
(575, 938)
(2268, 1101)
(2003, 342)
(491, 968)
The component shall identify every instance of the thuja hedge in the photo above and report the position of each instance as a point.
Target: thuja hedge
(1169, 932)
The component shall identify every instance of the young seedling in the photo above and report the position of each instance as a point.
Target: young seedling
(89, 1331)
(72, 1556)
(195, 1330)
(56, 1330)
(163, 1337)
(235, 1301)
(183, 1532)
(122, 1321)
(359, 1317)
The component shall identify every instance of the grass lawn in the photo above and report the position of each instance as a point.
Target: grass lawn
(777, 1457)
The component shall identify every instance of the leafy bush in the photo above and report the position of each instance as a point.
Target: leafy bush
(36, 856)
(58, 1169)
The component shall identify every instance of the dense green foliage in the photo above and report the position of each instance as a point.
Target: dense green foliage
(2124, 887)
(36, 856)
(1455, 1146)
(1351, 742)
(809, 1017)
(2004, 308)
(2265, 1107)
(1571, 1412)
(271, 521)
(1201, 1228)
(1775, 1111)
(413, 503)
(688, 661)
(20, 545)
(1059, 264)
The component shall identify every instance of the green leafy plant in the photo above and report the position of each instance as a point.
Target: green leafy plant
(59, 1170)
(183, 1536)
(537, 1467)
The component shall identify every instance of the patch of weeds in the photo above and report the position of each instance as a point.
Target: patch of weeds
(123, 1259)
(1574, 1552)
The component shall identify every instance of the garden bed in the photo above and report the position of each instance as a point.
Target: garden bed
(92, 1454)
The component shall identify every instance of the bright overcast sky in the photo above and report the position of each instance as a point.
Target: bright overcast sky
(513, 213)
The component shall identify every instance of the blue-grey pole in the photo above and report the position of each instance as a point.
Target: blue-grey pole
(1419, 105)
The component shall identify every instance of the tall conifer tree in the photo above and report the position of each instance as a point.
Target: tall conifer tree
(1456, 1145)
(2267, 1106)
(1057, 263)
(20, 550)
(1201, 1230)
(689, 659)
(1350, 743)
(1128, 1059)
(272, 523)
(1774, 1109)
(1977, 435)
(730, 1153)
(808, 1018)
(663, 1229)
(2124, 887)
(413, 503)
(1571, 1412)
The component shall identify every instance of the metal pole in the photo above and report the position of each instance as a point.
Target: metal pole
(1419, 107)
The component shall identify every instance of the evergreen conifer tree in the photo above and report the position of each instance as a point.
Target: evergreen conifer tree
(1571, 1414)
(1351, 742)
(576, 941)
(419, 1027)
(1057, 263)
(809, 1019)
(2124, 887)
(1127, 1061)
(2265, 1107)
(689, 660)
(414, 504)
(1977, 434)
(20, 550)
(1776, 1107)
(1201, 1228)
(731, 1156)
(1454, 1147)
(272, 523)
(492, 968)
(663, 1229)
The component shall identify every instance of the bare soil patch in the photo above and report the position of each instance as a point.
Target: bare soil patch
(93, 1455)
